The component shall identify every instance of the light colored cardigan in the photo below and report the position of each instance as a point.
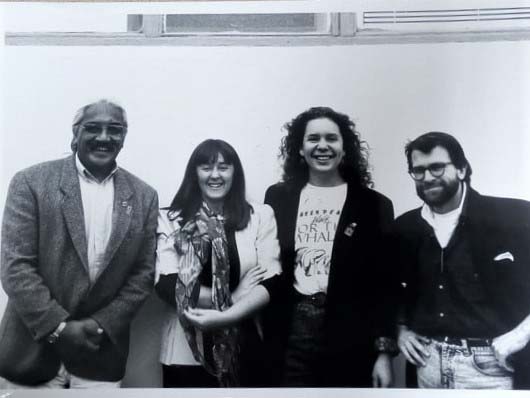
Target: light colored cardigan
(257, 244)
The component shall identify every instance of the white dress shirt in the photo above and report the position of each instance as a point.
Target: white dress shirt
(98, 199)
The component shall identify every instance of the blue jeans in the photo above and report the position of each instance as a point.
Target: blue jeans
(305, 345)
(462, 367)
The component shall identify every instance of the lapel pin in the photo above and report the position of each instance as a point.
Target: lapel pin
(128, 207)
(350, 229)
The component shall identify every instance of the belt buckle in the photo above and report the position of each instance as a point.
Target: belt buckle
(454, 341)
(318, 298)
(449, 340)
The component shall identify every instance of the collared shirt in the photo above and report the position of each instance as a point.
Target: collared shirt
(98, 200)
(444, 224)
(451, 298)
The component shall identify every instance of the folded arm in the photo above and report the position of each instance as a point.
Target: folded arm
(257, 286)
(165, 288)
(247, 306)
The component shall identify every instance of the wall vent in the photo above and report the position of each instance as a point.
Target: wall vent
(509, 16)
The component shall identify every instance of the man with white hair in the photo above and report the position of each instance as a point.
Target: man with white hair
(77, 260)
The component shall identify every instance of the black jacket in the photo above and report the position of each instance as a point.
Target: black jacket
(494, 226)
(359, 300)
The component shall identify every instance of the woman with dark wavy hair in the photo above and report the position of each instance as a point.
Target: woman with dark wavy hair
(217, 260)
(353, 165)
(334, 318)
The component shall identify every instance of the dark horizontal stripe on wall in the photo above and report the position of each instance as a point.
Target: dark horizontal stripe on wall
(367, 37)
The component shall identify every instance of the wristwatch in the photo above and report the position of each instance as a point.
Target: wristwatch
(52, 338)
(386, 345)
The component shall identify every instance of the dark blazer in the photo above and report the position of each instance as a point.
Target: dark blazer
(494, 226)
(44, 271)
(357, 305)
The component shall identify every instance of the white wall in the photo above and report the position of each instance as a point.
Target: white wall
(176, 97)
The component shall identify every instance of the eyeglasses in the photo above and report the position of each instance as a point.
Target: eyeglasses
(436, 170)
(113, 130)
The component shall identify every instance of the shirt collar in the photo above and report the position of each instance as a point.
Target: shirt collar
(83, 172)
(428, 215)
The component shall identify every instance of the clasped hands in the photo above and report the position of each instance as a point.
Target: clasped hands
(83, 334)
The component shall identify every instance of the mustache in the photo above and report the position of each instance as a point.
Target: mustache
(106, 145)
(432, 184)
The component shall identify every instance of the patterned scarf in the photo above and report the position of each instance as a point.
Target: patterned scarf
(195, 242)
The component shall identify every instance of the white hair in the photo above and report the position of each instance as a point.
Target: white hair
(81, 113)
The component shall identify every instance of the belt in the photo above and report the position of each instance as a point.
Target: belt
(317, 299)
(463, 341)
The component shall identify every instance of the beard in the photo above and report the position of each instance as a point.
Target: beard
(447, 190)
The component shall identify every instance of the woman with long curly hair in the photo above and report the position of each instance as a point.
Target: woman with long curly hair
(334, 322)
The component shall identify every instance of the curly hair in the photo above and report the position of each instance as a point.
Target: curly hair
(354, 168)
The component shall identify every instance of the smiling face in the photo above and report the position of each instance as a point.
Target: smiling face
(215, 181)
(99, 138)
(322, 149)
(442, 193)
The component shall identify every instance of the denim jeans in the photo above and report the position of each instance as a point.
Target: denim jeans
(305, 343)
(462, 367)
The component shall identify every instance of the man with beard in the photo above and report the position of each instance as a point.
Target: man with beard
(465, 267)
(78, 251)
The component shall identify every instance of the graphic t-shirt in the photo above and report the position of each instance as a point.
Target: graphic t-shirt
(318, 215)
